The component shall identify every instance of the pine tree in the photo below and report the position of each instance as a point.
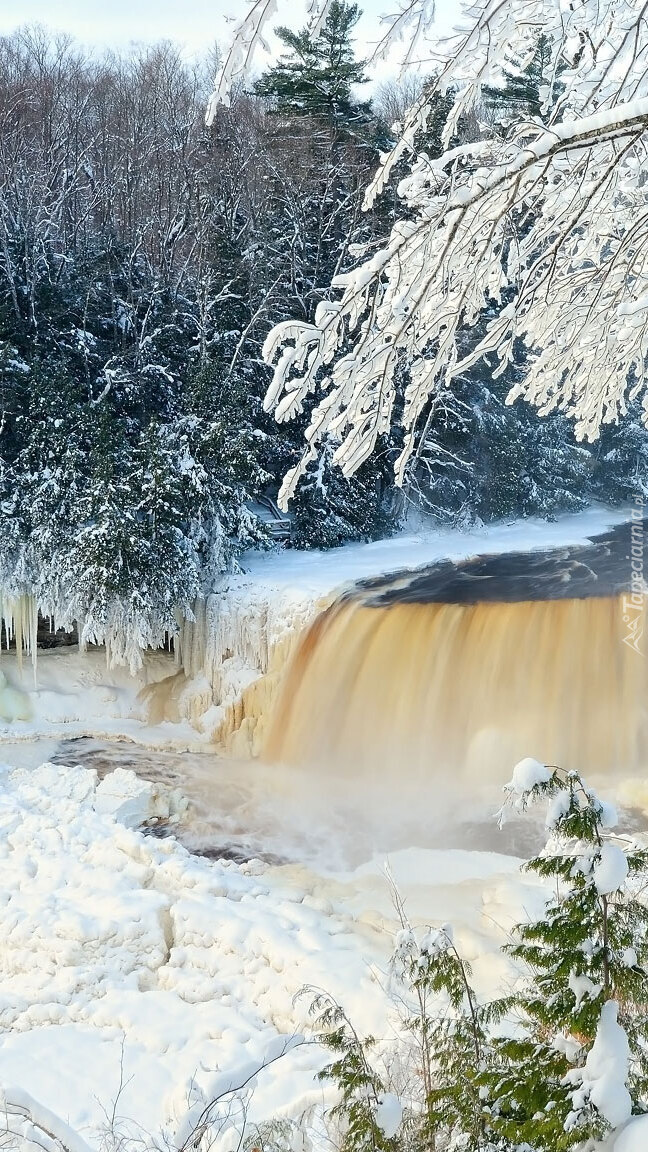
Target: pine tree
(525, 90)
(329, 510)
(360, 1086)
(578, 1066)
(486, 460)
(619, 459)
(317, 74)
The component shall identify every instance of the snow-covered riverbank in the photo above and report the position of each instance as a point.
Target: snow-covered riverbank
(132, 972)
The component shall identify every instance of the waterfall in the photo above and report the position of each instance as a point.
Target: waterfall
(462, 670)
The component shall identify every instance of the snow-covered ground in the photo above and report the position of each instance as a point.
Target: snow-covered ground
(321, 572)
(132, 971)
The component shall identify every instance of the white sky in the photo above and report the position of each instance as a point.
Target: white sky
(197, 24)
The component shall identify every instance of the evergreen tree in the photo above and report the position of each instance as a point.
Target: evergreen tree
(555, 1066)
(579, 1066)
(360, 1085)
(329, 510)
(526, 90)
(451, 1044)
(484, 459)
(317, 74)
(619, 459)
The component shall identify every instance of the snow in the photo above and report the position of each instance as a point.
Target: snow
(606, 1071)
(583, 988)
(609, 815)
(527, 774)
(134, 802)
(634, 1137)
(389, 1114)
(21, 1112)
(611, 869)
(319, 573)
(125, 961)
(557, 808)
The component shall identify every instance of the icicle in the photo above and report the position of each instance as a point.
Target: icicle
(20, 619)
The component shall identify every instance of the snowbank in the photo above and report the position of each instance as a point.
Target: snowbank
(319, 573)
(132, 973)
(134, 802)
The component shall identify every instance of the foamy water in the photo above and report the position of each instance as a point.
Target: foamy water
(244, 810)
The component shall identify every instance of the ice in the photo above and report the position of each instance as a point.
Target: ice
(14, 704)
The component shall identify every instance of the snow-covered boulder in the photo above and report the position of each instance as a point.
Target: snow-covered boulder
(133, 801)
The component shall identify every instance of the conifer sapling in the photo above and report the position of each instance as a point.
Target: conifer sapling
(576, 1068)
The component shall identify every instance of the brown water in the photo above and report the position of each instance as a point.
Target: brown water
(415, 692)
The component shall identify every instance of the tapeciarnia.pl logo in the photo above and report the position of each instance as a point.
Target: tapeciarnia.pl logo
(634, 603)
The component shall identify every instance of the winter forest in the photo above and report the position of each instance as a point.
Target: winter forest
(145, 257)
(323, 476)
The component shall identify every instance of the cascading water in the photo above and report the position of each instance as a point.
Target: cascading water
(462, 670)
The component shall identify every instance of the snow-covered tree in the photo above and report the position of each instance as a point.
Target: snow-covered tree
(440, 1010)
(523, 93)
(359, 1109)
(577, 1067)
(559, 1063)
(316, 75)
(552, 214)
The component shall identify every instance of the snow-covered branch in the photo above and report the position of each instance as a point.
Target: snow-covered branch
(544, 223)
(33, 1126)
(248, 36)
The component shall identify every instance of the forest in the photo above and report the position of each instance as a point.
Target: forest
(145, 257)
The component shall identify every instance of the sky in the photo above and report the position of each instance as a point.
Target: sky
(196, 24)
